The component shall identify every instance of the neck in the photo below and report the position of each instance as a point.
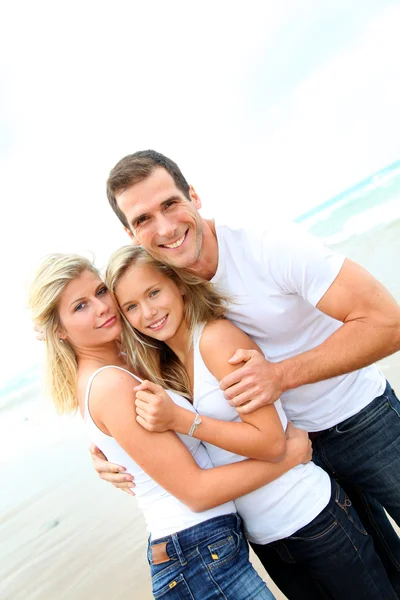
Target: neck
(207, 264)
(180, 343)
(108, 354)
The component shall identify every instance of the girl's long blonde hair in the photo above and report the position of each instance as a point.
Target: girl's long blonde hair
(201, 304)
(55, 272)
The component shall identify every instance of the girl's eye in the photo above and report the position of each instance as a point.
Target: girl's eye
(102, 291)
(80, 306)
(130, 307)
(154, 293)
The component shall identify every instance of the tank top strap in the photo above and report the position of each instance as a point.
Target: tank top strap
(91, 378)
(197, 333)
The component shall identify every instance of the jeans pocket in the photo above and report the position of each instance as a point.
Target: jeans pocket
(223, 550)
(344, 503)
(366, 416)
(175, 589)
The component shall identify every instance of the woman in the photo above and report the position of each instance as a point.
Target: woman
(182, 340)
(197, 548)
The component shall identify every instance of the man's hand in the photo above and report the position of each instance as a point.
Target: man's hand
(114, 474)
(39, 331)
(154, 408)
(298, 444)
(257, 383)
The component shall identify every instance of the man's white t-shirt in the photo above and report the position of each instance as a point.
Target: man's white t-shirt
(275, 278)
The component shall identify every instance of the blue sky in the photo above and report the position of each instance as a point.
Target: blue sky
(268, 107)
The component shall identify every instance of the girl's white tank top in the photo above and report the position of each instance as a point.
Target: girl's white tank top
(163, 513)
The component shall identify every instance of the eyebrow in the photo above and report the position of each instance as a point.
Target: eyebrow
(102, 284)
(135, 219)
(146, 291)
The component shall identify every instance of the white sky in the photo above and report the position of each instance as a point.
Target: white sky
(268, 107)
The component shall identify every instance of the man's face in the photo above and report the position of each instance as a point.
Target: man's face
(163, 220)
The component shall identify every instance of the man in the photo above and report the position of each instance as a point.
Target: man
(321, 320)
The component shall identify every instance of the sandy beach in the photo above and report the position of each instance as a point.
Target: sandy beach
(64, 534)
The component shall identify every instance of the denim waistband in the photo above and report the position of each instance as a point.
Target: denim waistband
(182, 541)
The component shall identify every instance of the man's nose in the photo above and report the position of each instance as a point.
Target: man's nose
(165, 227)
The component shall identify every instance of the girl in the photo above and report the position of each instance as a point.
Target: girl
(181, 340)
(197, 549)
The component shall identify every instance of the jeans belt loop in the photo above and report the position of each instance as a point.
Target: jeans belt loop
(178, 549)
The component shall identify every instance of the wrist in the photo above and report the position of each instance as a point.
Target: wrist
(282, 371)
(182, 419)
(294, 453)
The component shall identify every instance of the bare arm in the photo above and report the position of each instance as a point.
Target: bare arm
(165, 458)
(259, 435)
(370, 331)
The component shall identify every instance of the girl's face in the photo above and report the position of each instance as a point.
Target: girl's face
(152, 303)
(88, 314)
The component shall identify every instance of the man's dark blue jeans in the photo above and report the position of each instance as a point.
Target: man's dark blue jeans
(331, 557)
(363, 454)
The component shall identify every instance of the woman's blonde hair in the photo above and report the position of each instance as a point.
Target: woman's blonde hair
(201, 304)
(53, 275)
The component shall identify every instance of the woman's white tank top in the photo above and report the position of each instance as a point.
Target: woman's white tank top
(163, 513)
(280, 508)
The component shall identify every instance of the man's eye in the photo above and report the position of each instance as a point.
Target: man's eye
(170, 203)
(141, 220)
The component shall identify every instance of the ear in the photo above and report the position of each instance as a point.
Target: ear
(132, 236)
(194, 197)
(61, 334)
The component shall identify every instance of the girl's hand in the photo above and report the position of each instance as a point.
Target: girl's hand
(154, 408)
(298, 445)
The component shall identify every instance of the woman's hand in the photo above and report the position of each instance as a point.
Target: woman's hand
(298, 445)
(154, 408)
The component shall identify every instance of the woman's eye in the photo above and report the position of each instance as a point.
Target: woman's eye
(80, 306)
(102, 291)
(154, 293)
(130, 307)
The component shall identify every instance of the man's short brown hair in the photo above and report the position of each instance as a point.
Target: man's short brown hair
(134, 168)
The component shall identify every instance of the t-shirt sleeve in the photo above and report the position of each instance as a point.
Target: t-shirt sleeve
(298, 263)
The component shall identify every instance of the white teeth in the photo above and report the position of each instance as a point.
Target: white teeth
(175, 244)
(155, 325)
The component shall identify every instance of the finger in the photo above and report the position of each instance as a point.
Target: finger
(141, 413)
(96, 452)
(245, 386)
(128, 491)
(233, 378)
(250, 407)
(149, 397)
(102, 466)
(150, 386)
(241, 397)
(241, 356)
(118, 479)
(142, 421)
(142, 404)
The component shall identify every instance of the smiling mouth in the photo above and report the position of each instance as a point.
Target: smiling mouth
(176, 244)
(159, 323)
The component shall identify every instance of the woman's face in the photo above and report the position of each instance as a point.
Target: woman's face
(88, 314)
(152, 303)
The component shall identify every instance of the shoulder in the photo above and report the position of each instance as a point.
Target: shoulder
(111, 380)
(219, 341)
